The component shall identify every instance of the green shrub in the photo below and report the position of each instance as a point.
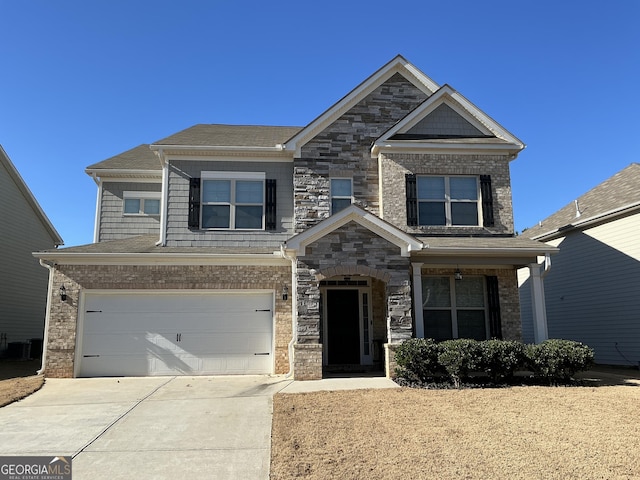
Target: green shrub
(500, 359)
(417, 359)
(558, 360)
(459, 358)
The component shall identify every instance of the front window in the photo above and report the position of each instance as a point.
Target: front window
(141, 203)
(448, 201)
(341, 194)
(454, 308)
(229, 202)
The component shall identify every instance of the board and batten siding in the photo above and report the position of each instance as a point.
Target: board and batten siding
(23, 282)
(178, 232)
(592, 291)
(114, 225)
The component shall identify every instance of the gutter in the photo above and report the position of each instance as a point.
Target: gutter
(47, 317)
(294, 309)
(164, 200)
(223, 148)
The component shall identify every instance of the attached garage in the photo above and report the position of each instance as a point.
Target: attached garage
(175, 333)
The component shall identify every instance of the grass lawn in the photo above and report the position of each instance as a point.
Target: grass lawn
(501, 433)
(18, 379)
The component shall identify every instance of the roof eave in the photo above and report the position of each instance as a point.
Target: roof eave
(435, 147)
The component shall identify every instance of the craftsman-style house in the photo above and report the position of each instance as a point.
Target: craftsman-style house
(229, 249)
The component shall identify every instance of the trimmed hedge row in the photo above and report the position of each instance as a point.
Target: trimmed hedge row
(423, 360)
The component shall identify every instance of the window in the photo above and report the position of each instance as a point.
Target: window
(233, 200)
(447, 201)
(454, 308)
(141, 203)
(341, 194)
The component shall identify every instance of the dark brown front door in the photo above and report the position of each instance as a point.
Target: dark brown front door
(343, 327)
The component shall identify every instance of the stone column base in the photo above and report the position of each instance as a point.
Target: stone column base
(307, 361)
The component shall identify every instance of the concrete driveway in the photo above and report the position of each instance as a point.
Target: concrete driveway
(161, 427)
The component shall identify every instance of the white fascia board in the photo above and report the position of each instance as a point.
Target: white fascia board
(446, 148)
(405, 242)
(504, 251)
(559, 232)
(397, 65)
(266, 259)
(123, 175)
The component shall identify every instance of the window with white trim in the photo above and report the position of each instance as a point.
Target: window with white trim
(454, 308)
(232, 200)
(341, 194)
(448, 201)
(141, 203)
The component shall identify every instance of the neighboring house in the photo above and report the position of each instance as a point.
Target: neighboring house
(23, 282)
(593, 289)
(303, 250)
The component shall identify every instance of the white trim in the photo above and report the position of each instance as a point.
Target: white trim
(96, 220)
(134, 194)
(223, 175)
(417, 299)
(407, 243)
(125, 175)
(164, 201)
(264, 259)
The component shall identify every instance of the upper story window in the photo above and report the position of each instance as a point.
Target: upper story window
(449, 201)
(341, 193)
(233, 200)
(141, 203)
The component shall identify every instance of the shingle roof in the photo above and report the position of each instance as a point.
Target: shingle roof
(231, 135)
(484, 243)
(146, 244)
(620, 191)
(138, 158)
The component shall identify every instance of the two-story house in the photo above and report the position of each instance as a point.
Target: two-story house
(302, 250)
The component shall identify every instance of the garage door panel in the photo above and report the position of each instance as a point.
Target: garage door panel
(162, 334)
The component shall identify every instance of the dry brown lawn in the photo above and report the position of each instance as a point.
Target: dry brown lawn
(18, 380)
(510, 433)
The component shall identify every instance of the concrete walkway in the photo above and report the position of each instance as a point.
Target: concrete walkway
(156, 427)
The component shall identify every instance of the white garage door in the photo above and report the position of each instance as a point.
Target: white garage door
(176, 334)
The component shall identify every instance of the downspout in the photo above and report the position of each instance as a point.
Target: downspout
(164, 200)
(47, 315)
(96, 223)
(294, 308)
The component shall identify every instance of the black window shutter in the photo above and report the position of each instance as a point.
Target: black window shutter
(493, 296)
(194, 203)
(412, 200)
(487, 200)
(270, 204)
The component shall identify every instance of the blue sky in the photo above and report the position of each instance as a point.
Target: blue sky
(82, 81)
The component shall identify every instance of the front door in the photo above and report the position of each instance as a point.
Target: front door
(343, 327)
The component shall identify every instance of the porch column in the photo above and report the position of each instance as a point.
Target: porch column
(540, 333)
(417, 299)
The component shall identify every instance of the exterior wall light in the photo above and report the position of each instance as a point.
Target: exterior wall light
(63, 293)
(458, 274)
(285, 292)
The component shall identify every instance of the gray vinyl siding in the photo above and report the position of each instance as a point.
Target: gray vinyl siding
(113, 224)
(593, 291)
(178, 232)
(23, 282)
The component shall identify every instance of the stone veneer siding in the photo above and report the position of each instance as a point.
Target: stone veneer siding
(394, 167)
(344, 150)
(63, 316)
(349, 250)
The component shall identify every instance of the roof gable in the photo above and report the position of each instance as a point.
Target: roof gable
(617, 195)
(407, 243)
(399, 65)
(28, 196)
(447, 120)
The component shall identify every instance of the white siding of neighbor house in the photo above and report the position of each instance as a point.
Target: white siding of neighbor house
(178, 232)
(593, 290)
(114, 224)
(23, 282)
